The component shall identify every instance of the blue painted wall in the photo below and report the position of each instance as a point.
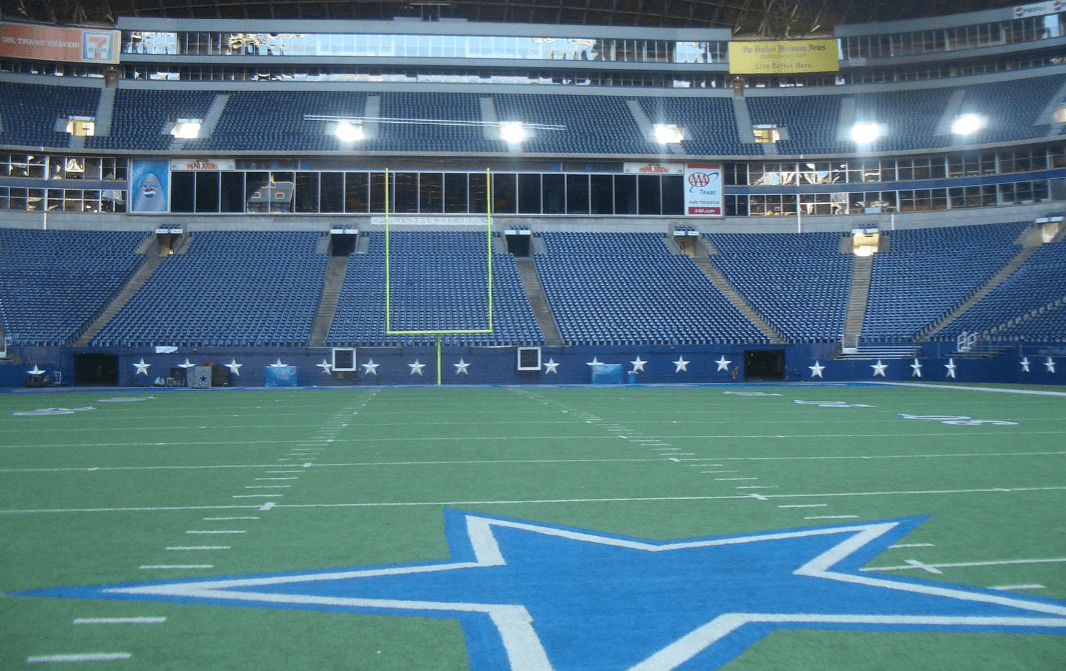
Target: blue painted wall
(661, 365)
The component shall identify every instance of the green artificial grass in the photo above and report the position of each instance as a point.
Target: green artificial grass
(360, 478)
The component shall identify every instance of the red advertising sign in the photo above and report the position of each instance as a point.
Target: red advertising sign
(71, 45)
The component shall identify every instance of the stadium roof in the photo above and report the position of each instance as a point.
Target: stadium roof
(770, 18)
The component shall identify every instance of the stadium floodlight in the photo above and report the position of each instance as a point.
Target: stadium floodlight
(865, 133)
(668, 134)
(513, 132)
(186, 129)
(349, 132)
(967, 124)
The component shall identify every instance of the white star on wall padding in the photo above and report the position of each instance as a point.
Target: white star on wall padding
(1050, 363)
(681, 364)
(916, 369)
(234, 367)
(142, 367)
(595, 362)
(638, 365)
(370, 368)
(416, 367)
(723, 364)
(278, 364)
(1025, 365)
(460, 368)
(187, 364)
(951, 366)
(816, 370)
(550, 366)
(326, 366)
(879, 368)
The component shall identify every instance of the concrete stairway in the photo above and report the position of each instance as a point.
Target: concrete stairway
(738, 301)
(327, 304)
(1023, 254)
(136, 282)
(527, 271)
(859, 293)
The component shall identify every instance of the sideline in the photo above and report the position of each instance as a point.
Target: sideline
(1031, 392)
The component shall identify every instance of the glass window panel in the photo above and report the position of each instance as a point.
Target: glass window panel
(577, 194)
(529, 194)
(182, 191)
(553, 194)
(504, 198)
(357, 193)
(331, 192)
(479, 194)
(377, 192)
(625, 194)
(601, 194)
(307, 192)
(650, 196)
(431, 192)
(206, 192)
(455, 193)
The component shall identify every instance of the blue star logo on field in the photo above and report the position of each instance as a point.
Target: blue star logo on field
(537, 597)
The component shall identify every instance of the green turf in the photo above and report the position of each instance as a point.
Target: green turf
(70, 486)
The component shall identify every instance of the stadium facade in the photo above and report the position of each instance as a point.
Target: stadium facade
(343, 203)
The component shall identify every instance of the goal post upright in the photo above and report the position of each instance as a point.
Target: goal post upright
(437, 333)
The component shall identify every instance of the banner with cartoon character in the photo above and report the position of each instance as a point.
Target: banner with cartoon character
(150, 186)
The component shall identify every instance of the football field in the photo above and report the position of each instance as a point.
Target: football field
(743, 527)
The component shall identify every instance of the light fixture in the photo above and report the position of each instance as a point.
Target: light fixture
(668, 134)
(865, 133)
(967, 124)
(186, 129)
(512, 132)
(349, 132)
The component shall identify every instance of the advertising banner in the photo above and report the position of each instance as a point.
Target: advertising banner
(653, 168)
(70, 45)
(703, 190)
(1039, 9)
(150, 186)
(785, 57)
(196, 165)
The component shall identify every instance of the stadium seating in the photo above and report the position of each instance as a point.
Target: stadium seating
(438, 282)
(927, 272)
(52, 283)
(798, 282)
(594, 124)
(627, 288)
(28, 113)
(710, 124)
(229, 288)
(1038, 282)
(140, 117)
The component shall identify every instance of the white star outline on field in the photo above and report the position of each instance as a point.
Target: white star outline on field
(511, 585)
